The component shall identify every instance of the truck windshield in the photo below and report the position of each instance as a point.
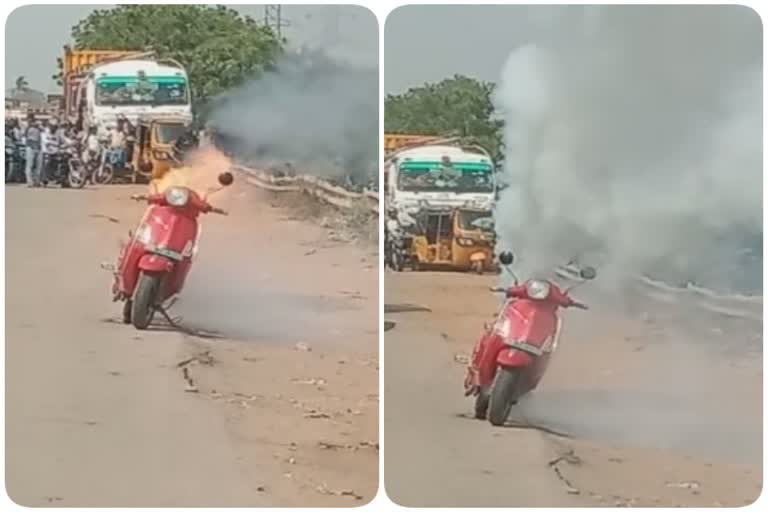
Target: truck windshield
(123, 91)
(168, 133)
(467, 177)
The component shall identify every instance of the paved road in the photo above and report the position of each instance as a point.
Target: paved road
(679, 426)
(96, 413)
(76, 434)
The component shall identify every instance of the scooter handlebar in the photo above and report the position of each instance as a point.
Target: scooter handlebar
(579, 305)
(219, 211)
(497, 289)
(139, 197)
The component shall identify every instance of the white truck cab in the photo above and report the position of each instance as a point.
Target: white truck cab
(134, 89)
(440, 175)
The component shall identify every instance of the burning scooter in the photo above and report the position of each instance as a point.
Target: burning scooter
(512, 355)
(154, 263)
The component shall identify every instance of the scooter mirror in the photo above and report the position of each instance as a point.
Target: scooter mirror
(506, 258)
(588, 273)
(226, 178)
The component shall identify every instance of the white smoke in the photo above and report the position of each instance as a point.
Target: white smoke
(634, 141)
(315, 112)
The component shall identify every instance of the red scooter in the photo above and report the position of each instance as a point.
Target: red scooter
(155, 261)
(512, 355)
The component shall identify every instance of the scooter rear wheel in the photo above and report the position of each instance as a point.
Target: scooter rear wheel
(144, 300)
(481, 404)
(127, 308)
(502, 396)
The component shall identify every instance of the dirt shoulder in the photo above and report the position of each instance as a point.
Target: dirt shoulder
(98, 414)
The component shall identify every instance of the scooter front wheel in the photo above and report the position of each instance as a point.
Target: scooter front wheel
(143, 308)
(502, 396)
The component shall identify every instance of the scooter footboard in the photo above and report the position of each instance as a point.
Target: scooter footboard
(155, 263)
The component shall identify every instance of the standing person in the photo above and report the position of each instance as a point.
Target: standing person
(117, 141)
(90, 145)
(17, 131)
(51, 143)
(33, 140)
(130, 139)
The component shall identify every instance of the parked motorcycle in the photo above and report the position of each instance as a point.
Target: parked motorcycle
(57, 167)
(15, 161)
(512, 355)
(111, 161)
(155, 261)
(91, 171)
(397, 248)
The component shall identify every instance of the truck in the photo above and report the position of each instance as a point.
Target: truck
(439, 174)
(395, 141)
(439, 199)
(102, 85)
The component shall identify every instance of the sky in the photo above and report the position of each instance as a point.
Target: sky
(35, 34)
(428, 43)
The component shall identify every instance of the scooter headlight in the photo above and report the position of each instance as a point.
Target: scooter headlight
(177, 196)
(538, 290)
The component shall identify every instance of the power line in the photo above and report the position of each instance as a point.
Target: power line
(273, 18)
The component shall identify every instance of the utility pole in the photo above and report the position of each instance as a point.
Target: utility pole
(273, 18)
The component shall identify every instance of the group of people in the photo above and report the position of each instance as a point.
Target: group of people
(42, 141)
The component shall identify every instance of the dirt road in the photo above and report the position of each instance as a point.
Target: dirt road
(660, 409)
(98, 414)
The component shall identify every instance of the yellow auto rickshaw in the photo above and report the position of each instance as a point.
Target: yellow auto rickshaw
(154, 146)
(455, 238)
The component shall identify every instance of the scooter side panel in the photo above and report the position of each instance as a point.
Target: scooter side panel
(128, 270)
(488, 349)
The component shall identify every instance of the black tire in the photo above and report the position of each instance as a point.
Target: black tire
(477, 267)
(77, 175)
(144, 298)
(104, 174)
(482, 400)
(397, 262)
(10, 170)
(502, 396)
(127, 306)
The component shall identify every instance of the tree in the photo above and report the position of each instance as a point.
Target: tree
(22, 84)
(217, 45)
(458, 106)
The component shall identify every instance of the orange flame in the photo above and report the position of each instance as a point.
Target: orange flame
(200, 173)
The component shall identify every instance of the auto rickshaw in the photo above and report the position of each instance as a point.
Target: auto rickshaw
(154, 145)
(455, 238)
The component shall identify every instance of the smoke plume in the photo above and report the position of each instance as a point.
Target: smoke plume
(634, 143)
(314, 112)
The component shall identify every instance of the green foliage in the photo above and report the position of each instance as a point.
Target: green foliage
(217, 45)
(458, 106)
